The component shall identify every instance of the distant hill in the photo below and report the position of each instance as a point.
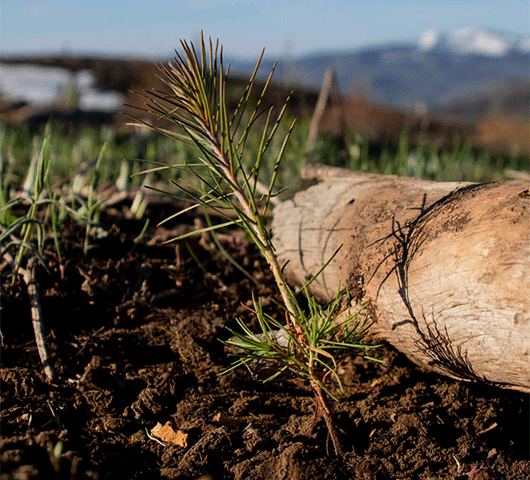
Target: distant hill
(436, 71)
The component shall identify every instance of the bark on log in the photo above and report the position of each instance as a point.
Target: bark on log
(444, 267)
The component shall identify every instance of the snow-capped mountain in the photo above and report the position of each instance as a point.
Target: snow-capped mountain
(472, 40)
(437, 70)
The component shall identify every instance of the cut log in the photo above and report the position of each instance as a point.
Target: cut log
(443, 267)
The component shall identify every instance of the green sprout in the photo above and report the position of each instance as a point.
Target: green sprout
(310, 344)
(28, 232)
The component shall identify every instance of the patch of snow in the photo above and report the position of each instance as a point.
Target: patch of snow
(40, 85)
(470, 40)
(103, 101)
(428, 40)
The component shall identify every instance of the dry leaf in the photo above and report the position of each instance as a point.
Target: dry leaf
(168, 434)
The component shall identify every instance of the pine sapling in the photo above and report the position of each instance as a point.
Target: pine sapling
(310, 343)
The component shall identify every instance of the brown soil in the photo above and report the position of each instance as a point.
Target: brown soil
(134, 332)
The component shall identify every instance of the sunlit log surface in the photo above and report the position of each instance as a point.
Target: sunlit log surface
(444, 267)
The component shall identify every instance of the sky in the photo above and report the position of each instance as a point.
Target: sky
(153, 28)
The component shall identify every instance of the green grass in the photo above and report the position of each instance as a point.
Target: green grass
(68, 152)
(461, 162)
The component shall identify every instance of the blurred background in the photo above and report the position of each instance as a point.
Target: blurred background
(434, 71)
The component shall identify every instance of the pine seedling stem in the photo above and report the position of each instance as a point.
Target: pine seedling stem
(256, 223)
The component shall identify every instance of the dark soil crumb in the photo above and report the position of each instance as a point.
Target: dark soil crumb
(134, 332)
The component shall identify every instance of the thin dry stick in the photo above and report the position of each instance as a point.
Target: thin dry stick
(30, 275)
(329, 90)
(319, 109)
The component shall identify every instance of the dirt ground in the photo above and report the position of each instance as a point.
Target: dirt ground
(134, 331)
